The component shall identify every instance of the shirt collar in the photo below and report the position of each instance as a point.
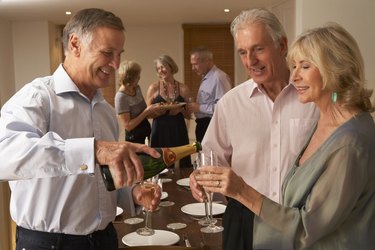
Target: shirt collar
(255, 89)
(64, 84)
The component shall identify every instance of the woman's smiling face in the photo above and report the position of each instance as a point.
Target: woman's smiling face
(307, 80)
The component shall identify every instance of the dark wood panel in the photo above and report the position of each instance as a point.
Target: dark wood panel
(218, 39)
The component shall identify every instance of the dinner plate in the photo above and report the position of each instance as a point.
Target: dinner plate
(119, 211)
(160, 238)
(197, 209)
(165, 180)
(172, 105)
(183, 182)
(164, 195)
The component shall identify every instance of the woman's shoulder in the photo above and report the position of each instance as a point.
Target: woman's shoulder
(153, 86)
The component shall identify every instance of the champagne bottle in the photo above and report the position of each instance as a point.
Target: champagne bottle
(153, 166)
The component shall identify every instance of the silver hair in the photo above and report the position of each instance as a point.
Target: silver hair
(259, 16)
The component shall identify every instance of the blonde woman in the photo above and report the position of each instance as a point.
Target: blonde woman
(169, 127)
(130, 105)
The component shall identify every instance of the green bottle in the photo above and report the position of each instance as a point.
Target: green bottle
(153, 166)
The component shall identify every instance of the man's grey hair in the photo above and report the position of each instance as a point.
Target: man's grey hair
(86, 21)
(259, 16)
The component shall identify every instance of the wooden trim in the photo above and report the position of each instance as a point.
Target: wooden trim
(7, 239)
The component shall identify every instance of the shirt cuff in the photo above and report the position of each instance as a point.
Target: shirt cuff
(79, 155)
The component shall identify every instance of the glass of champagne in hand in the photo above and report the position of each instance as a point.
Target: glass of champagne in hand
(210, 159)
(148, 191)
(205, 221)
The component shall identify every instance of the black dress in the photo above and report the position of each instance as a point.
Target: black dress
(170, 130)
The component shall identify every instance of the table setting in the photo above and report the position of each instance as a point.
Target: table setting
(174, 223)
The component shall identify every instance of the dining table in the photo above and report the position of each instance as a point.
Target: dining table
(178, 196)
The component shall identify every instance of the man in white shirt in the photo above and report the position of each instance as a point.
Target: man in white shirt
(54, 134)
(215, 83)
(259, 126)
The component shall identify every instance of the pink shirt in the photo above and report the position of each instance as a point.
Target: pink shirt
(257, 137)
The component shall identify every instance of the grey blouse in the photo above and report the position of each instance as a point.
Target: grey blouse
(130, 104)
(328, 201)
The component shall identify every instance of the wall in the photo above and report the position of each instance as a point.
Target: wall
(6, 61)
(31, 51)
(355, 16)
(144, 44)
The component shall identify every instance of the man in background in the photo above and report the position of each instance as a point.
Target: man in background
(215, 83)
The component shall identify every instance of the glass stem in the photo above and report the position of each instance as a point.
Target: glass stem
(210, 202)
(206, 209)
(148, 220)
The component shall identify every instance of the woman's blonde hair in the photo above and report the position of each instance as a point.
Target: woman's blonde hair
(167, 61)
(128, 71)
(337, 56)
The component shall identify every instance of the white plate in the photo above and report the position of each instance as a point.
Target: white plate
(164, 171)
(119, 211)
(164, 195)
(161, 238)
(183, 182)
(197, 209)
(165, 180)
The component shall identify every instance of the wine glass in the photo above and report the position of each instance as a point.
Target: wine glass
(210, 159)
(200, 161)
(148, 189)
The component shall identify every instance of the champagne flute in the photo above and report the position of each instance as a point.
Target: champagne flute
(148, 189)
(210, 159)
(201, 160)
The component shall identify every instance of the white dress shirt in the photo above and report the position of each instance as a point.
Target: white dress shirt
(47, 132)
(257, 137)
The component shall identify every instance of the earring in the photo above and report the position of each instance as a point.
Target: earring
(334, 97)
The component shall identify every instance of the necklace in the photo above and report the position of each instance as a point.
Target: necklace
(170, 98)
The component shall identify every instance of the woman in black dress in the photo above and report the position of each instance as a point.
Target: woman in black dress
(168, 126)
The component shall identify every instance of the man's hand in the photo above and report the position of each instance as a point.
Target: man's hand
(193, 107)
(122, 160)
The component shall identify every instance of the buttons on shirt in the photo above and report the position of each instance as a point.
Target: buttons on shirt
(83, 167)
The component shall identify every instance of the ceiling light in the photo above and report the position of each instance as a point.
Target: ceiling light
(68, 13)
(226, 10)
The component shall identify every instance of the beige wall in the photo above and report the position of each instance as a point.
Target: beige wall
(31, 51)
(6, 61)
(144, 44)
(355, 16)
